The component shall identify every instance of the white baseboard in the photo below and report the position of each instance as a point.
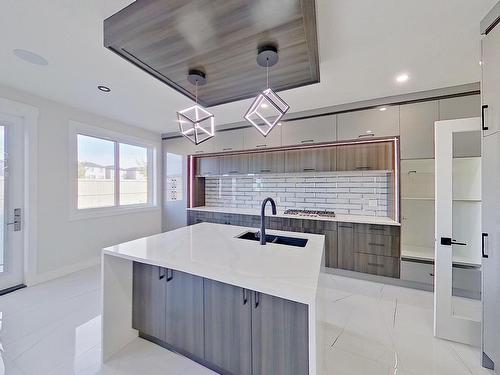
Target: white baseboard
(63, 271)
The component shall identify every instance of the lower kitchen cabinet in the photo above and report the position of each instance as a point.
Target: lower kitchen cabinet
(376, 265)
(279, 336)
(149, 296)
(331, 251)
(184, 313)
(345, 246)
(228, 328)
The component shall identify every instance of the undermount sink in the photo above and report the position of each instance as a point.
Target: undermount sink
(270, 238)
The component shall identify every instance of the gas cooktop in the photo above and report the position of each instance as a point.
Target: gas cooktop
(311, 213)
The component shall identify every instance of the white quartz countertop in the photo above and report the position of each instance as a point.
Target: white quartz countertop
(344, 218)
(212, 251)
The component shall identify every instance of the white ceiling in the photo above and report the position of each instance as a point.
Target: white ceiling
(364, 44)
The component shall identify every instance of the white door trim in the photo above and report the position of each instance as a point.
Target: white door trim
(446, 324)
(29, 115)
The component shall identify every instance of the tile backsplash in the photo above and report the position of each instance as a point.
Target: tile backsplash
(355, 193)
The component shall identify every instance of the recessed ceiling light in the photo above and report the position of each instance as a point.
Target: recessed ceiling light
(104, 88)
(382, 109)
(30, 57)
(402, 78)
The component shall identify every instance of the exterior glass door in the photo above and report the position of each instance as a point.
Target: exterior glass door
(457, 296)
(11, 202)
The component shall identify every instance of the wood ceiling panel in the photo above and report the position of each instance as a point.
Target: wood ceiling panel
(166, 38)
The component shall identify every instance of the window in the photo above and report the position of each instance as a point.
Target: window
(112, 172)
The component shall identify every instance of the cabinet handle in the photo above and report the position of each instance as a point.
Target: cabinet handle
(227, 149)
(307, 141)
(366, 135)
(483, 107)
(483, 237)
(161, 275)
(265, 170)
(431, 274)
(362, 167)
(233, 172)
(375, 264)
(377, 228)
(245, 298)
(309, 169)
(171, 274)
(376, 244)
(259, 146)
(412, 172)
(257, 299)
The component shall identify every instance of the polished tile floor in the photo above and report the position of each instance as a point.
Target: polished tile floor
(364, 328)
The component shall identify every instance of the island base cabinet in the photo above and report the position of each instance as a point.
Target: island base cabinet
(228, 329)
(280, 338)
(184, 314)
(149, 296)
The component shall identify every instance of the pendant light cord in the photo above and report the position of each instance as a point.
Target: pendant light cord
(267, 73)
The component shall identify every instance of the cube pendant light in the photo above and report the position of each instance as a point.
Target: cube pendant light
(196, 123)
(268, 108)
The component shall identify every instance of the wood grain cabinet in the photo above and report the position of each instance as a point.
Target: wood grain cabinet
(234, 164)
(345, 246)
(253, 139)
(228, 140)
(310, 160)
(228, 328)
(182, 146)
(366, 156)
(149, 297)
(266, 162)
(331, 250)
(184, 313)
(311, 130)
(280, 335)
(368, 123)
(208, 166)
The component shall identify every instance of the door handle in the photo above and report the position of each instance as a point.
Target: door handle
(245, 298)
(257, 299)
(171, 274)
(447, 241)
(483, 107)
(483, 238)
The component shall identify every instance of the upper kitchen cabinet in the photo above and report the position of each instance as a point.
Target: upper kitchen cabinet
(320, 159)
(417, 129)
(490, 85)
(310, 130)
(464, 144)
(228, 140)
(368, 123)
(208, 166)
(234, 164)
(182, 146)
(253, 139)
(266, 162)
(365, 156)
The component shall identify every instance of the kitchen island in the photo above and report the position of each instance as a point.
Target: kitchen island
(228, 303)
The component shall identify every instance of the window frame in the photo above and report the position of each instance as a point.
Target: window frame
(77, 128)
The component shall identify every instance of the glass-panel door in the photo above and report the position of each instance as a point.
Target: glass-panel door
(11, 202)
(457, 293)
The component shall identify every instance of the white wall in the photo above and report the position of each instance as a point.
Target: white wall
(63, 245)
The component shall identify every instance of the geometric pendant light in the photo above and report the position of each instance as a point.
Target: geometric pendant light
(268, 108)
(196, 123)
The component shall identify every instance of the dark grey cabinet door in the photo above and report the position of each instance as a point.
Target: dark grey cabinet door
(345, 246)
(228, 329)
(310, 160)
(149, 292)
(184, 313)
(331, 252)
(266, 162)
(234, 164)
(279, 336)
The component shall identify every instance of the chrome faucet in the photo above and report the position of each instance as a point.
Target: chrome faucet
(263, 218)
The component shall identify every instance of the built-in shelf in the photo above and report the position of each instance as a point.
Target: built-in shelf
(421, 253)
